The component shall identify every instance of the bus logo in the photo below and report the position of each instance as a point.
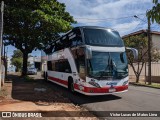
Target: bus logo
(111, 83)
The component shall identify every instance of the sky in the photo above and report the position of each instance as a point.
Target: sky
(115, 14)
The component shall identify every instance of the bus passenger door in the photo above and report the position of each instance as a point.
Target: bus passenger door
(68, 54)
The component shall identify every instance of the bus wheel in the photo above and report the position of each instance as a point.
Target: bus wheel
(70, 85)
(46, 77)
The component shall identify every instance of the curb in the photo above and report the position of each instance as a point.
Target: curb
(143, 85)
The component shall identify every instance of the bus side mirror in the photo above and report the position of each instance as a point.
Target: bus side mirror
(134, 51)
(121, 57)
(88, 52)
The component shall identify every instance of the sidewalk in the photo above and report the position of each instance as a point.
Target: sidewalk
(34, 95)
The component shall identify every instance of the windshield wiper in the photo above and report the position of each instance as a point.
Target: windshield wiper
(110, 66)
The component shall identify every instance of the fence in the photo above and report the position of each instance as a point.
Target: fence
(155, 71)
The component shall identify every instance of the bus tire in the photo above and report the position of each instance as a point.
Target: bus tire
(70, 85)
(46, 77)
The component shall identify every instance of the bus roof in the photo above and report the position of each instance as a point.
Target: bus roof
(81, 27)
(93, 27)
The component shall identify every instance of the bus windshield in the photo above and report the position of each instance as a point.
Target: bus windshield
(102, 37)
(107, 65)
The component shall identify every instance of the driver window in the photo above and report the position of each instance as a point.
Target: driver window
(80, 61)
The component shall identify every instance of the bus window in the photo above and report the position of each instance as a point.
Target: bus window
(80, 62)
(49, 65)
(102, 37)
(66, 42)
(56, 66)
(63, 66)
(81, 66)
(53, 65)
(67, 67)
(76, 38)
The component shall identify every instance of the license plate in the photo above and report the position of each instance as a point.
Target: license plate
(112, 90)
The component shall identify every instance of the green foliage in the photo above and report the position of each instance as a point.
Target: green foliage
(17, 54)
(28, 23)
(154, 13)
(140, 42)
(28, 79)
(153, 85)
(17, 59)
(18, 63)
(34, 24)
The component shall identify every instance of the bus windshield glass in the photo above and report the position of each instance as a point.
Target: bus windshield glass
(102, 37)
(107, 65)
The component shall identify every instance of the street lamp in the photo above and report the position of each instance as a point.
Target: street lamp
(139, 18)
(149, 48)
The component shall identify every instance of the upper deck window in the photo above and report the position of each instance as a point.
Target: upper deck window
(102, 37)
(76, 38)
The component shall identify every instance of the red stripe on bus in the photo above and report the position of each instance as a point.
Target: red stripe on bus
(104, 90)
(90, 89)
(121, 88)
(95, 90)
(64, 82)
(76, 86)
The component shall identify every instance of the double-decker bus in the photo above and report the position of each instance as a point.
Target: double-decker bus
(90, 60)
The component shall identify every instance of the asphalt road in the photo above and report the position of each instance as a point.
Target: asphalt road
(135, 99)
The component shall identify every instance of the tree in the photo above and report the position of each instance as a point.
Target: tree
(33, 24)
(140, 42)
(17, 54)
(154, 13)
(17, 59)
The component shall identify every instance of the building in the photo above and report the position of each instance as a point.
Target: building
(34, 61)
(155, 66)
(155, 36)
(10, 67)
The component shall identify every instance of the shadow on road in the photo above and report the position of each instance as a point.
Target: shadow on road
(25, 91)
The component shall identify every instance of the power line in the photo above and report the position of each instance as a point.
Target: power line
(142, 21)
(122, 28)
(125, 28)
(104, 19)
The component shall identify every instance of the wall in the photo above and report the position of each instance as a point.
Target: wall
(156, 41)
(155, 66)
(155, 71)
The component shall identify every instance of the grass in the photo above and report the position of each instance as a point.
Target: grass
(153, 85)
(28, 79)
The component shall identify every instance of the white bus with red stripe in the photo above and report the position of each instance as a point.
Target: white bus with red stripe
(89, 60)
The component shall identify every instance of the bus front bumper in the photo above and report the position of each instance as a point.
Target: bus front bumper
(102, 91)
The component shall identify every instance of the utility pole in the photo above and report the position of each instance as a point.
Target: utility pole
(149, 49)
(1, 34)
(149, 52)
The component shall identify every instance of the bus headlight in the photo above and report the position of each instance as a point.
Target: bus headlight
(81, 87)
(94, 84)
(125, 83)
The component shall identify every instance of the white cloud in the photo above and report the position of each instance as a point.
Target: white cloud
(126, 27)
(102, 9)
